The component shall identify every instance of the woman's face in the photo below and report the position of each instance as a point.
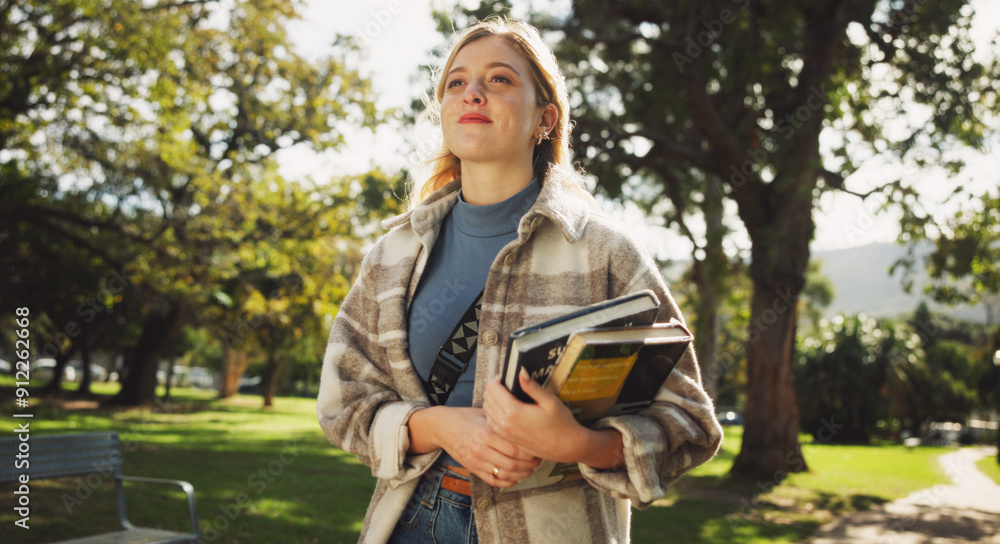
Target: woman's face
(489, 111)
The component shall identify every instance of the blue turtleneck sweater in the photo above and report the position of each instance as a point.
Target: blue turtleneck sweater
(469, 241)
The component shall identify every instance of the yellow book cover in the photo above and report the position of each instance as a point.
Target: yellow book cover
(594, 381)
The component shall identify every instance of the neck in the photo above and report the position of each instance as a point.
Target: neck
(489, 183)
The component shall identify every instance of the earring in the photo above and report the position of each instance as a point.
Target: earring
(542, 136)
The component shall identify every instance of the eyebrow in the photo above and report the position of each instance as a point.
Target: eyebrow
(495, 64)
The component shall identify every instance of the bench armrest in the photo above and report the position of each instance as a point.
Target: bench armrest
(188, 490)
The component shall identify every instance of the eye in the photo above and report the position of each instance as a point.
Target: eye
(500, 79)
(454, 83)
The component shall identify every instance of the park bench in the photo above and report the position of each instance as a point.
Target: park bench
(86, 454)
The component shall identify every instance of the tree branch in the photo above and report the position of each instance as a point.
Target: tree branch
(181, 4)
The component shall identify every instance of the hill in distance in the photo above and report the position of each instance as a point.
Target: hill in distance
(862, 284)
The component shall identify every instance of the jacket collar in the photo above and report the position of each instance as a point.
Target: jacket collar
(566, 207)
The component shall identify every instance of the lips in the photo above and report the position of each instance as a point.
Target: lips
(474, 118)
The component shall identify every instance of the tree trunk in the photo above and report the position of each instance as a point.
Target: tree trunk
(169, 382)
(55, 384)
(271, 378)
(710, 276)
(708, 329)
(87, 377)
(160, 327)
(234, 363)
(770, 446)
(780, 257)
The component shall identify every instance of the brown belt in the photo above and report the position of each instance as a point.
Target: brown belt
(452, 483)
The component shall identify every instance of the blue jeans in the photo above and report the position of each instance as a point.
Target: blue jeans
(436, 515)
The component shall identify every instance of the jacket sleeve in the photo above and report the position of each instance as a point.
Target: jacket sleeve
(679, 431)
(361, 407)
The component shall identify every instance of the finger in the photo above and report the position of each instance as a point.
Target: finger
(501, 409)
(499, 476)
(497, 398)
(508, 457)
(493, 397)
(512, 451)
(496, 387)
(534, 389)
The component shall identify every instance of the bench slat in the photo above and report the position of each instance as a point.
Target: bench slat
(63, 455)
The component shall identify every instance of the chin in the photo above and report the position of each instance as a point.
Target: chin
(471, 151)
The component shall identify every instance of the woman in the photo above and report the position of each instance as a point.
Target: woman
(504, 213)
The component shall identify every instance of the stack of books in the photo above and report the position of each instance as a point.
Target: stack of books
(606, 359)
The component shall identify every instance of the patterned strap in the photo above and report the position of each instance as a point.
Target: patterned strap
(453, 357)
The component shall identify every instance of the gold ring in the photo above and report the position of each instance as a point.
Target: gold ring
(496, 472)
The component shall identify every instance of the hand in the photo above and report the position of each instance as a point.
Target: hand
(547, 429)
(464, 434)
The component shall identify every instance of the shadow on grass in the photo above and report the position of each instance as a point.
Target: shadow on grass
(299, 491)
(270, 476)
(707, 520)
(261, 476)
(720, 508)
(841, 504)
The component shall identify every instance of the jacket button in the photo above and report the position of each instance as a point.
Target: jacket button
(484, 503)
(490, 338)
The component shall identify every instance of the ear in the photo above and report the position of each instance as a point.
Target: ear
(548, 118)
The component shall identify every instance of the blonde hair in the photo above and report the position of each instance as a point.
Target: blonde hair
(550, 88)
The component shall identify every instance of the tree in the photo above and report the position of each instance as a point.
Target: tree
(238, 96)
(62, 278)
(152, 116)
(958, 375)
(275, 287)
(964, 266)
(740, 91)
(855, 373)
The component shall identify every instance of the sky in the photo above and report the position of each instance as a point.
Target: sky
(397, 36)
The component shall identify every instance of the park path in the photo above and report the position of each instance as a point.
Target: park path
(968, 511)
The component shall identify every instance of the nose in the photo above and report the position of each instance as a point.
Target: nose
(474, 94)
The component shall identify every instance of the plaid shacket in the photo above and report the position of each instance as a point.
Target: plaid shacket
(566, 256)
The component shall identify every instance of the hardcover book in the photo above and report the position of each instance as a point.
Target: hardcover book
(537, 347)
(616, 371)
(608, 372)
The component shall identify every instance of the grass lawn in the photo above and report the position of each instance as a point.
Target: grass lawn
(707, 505)
(990, 467)
(269, 476)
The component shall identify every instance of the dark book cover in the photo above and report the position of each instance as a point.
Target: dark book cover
(537, 347)
(616, 371)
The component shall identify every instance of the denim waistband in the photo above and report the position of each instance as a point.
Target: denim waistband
(455, 479)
